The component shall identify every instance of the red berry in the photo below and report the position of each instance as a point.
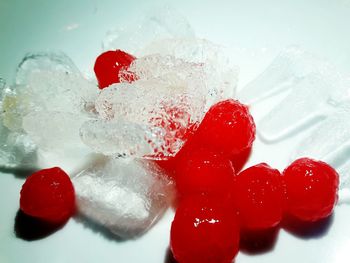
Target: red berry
(240, 159)
(204, 231)
(48, 195)
(108, 65)
(203, 171)
(258, 197)
(227, 127)
(311, 188)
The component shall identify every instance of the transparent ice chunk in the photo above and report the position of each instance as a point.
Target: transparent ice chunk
(47, 82)
(55, 131)
(314, 88)
(217, 73)
(160, 24)
(169, 93)
(44, 62)
(17, 150)
(156, 105)
(126, 196)
(120, 138)
(330, 142)
(304, 106)
(285, 71)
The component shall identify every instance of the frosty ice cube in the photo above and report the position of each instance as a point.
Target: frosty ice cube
(44, 61)
(17, 150)
(330, 142)
(55, 131)
(121, 138)
(126, 196)
(160, 24)
(286, 70)
(314, 87)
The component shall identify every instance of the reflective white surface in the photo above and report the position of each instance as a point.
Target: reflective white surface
(255, 30)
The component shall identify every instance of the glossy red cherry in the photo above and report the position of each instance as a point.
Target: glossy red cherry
(48, 195)
(204, 230)
(258, 197)
(311, 189)
(227, 127)
(108, 66)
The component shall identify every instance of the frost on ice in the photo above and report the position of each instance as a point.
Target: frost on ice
(46, 106)
(316, 103)
(158, 25)
(169, 96)
(313, 88)
(125, 196)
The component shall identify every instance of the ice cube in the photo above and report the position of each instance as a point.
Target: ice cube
(55, 131)
(285, 71)
(47, 82)
(126, 196)
(44, 62)
(315, 88)
(330, 142)
(304, 106)
(121, 138)
(344, 172)
(153, 104)
(17, 150)
(160, 24)
(169, 94)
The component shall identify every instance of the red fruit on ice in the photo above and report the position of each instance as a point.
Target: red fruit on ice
(311, 189)
(48, 195)
(227, 127)
(258, 197)
(108, 65)
(177, 126)
(203, 171)
(204, 231)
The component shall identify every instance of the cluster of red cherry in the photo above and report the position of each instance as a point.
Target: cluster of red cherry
(216, 203)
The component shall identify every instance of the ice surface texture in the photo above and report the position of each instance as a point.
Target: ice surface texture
(46, 106)
(317, 95)
(161, 24)
(126, 196)
(314, 89)
(169, 96)
(330, 141)
(16, 148)
(176, 78)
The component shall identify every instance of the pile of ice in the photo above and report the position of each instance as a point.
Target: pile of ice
(53, 112)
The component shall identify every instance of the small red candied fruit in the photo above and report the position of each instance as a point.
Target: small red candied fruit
(258, 197)
(48, 195)
(311, 189)
(240, 159)
(204, 231)
(108, 65)
(203, 171)
(227, 127)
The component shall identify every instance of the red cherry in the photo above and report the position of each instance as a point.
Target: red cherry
(258, 197)
(203, 171)
(108, 65)
(204, 230)
(311, 188)
(240, 159)
(227, 127)
(48, 195)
